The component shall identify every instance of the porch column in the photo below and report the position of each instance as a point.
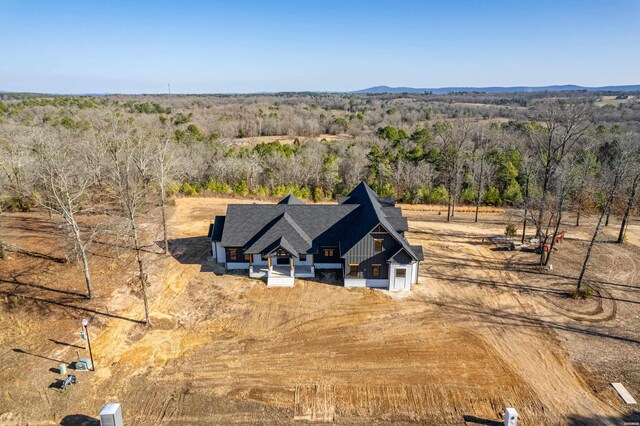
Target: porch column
(250, 264)
(269, 265)
(291, 263)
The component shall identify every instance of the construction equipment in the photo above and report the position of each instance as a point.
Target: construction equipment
(70, 380)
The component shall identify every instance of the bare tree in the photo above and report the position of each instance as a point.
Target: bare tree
(129, 158)
(62, 186)
(616, 157)
(165, 168)
(453, 136)
(556, 129)
(633, 187)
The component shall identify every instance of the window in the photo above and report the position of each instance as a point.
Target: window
(379, 228)
(328, 252)
(353, 269)
(247, 257)
(378, 244)
(233, 254)
(303, 258)
(375, 271)
(401, 273)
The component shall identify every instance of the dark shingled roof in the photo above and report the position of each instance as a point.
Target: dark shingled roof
(417, 250)
(218, 226)
(284, 225)
(291, 199)
(306, 227)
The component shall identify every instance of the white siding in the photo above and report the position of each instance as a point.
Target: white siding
(257, 260)
(411, 276)
(309, 260)
(362, 282)
(328, 266)
(238, 265)
(221, 255)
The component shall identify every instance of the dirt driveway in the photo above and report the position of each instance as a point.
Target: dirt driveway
(476, 334)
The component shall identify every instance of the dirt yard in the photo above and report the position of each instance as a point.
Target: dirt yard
(483, 329)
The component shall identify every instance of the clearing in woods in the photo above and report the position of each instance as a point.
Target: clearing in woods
(483, 329)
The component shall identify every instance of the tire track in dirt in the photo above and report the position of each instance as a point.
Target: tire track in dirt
(534, 355)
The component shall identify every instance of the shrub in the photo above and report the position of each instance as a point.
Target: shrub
(583, 293)
(241, 188)
(468, 195)
(439, 194)
(318, 194)
(511, 230)
(260, 191)
(512, 193)
(188, 190)
(492, 197)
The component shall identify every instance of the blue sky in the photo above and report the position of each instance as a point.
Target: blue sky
(249, 46)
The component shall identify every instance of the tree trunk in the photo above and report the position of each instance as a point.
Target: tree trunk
(543, 201)
(595, 234)
(143, 276)
(2, 255)
(524, 226)
(593, 240)
(85, 260)
(449, 208)
(578, 217)
(606, 222)
(479, 193)
(164, 219)
(553, 238)
(627, 210)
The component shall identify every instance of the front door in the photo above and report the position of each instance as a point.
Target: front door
(282, 260)
(400, 278)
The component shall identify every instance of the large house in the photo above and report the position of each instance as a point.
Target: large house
(362, 236)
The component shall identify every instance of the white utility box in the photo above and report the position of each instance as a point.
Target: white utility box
(510, 417)
(111, 415)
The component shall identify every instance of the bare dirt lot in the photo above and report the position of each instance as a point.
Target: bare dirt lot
(483, 329)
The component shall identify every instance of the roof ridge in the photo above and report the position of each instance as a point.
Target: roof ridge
(286, 216)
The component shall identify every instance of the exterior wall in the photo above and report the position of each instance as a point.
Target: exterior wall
(360, 282)
(307, 262)
(328, 265)
(258, 261)
(365, 255)
(321, 258)
(214, 253)
(220, 253)
(410, 277)
(237, 265)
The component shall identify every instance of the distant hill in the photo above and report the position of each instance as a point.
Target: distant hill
(443, 90)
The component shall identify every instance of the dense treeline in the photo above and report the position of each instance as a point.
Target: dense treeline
(544, 153)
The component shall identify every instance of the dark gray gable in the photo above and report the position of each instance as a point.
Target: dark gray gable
(216, 229)
(370, 214)
(322, 223)
(291, 199)
(401, 257)
(283, 228)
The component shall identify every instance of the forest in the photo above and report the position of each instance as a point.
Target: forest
(543, 153)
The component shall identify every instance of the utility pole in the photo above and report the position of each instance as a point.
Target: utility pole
(85, 335)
